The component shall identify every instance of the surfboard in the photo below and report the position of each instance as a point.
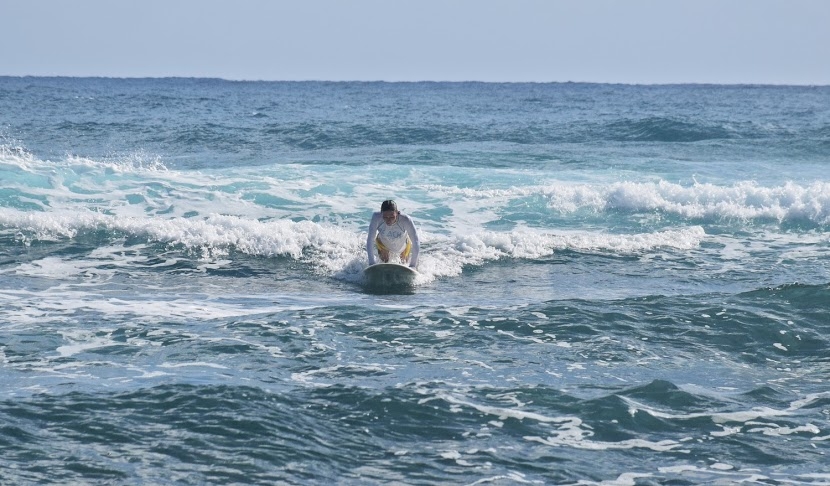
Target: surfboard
(390, 274)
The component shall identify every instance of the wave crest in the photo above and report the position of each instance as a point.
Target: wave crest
(742, 201)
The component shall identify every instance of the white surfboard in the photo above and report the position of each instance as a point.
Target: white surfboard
(390, 274)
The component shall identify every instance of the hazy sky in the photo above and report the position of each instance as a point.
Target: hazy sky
(625, 41)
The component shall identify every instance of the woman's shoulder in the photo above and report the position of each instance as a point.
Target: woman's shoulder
(406, 217)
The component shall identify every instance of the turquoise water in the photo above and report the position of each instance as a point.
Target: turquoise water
(619, 284)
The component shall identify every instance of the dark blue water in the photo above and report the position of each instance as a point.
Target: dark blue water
(618, 284)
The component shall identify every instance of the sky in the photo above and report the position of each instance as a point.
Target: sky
(610, 41)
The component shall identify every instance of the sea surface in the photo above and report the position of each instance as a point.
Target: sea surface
(619, 285)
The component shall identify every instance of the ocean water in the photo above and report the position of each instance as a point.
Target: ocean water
(618, 284)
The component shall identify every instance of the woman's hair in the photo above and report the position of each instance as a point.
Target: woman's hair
(388, 205)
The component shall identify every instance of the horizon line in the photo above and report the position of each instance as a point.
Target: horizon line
(379, 81)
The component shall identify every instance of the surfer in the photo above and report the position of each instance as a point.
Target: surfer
(392, 233)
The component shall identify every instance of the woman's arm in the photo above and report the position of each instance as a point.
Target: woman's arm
(409, 226)
(371, 234)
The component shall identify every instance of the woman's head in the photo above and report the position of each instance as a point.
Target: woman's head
(389, 211)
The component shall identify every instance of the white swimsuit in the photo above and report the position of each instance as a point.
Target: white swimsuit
(393, 237)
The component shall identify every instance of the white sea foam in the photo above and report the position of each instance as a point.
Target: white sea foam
(512, 478)
(197, 364)
(141, 182)
(81, 341)
(570, 431)
(23, 308)
(743, 200)
(450, 254)
(624, 479)
(317, 214)
(748, 418)
(332, 373)
(334, 250)
(15, 156)
(139, 161)
(269, 238)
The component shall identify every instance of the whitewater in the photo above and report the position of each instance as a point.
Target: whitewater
(618, 284)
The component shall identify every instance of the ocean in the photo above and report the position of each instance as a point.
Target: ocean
(619, 285)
